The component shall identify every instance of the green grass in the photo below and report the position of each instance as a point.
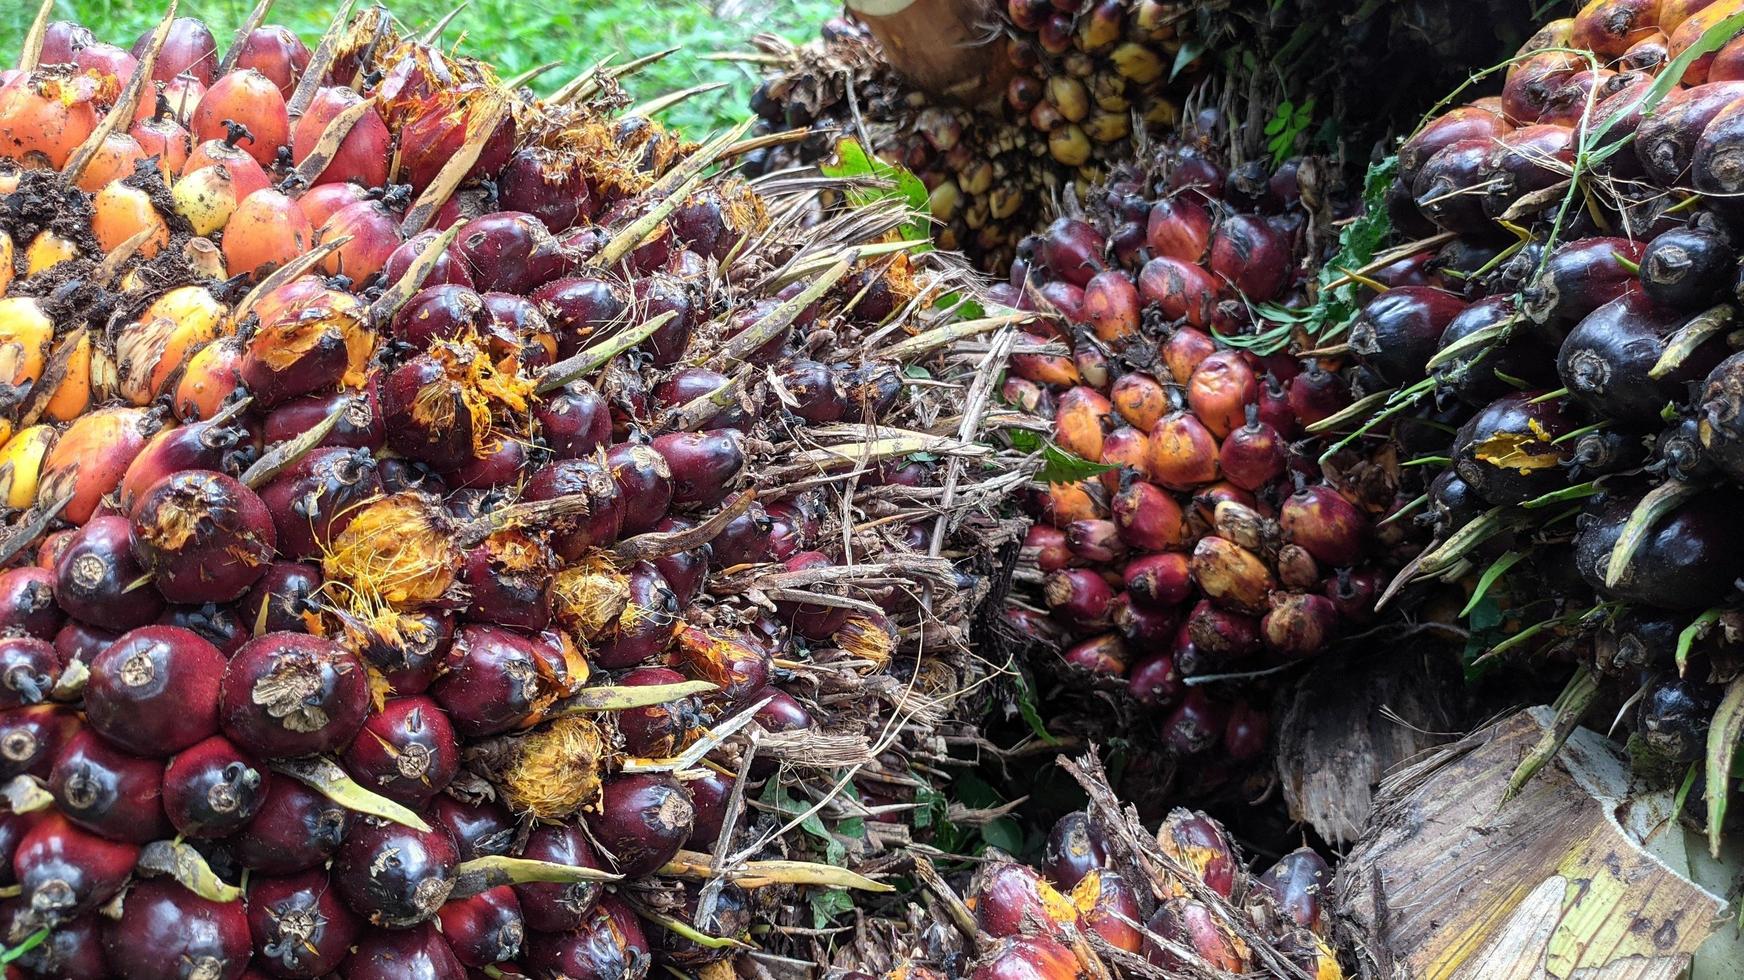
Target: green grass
(515, 35)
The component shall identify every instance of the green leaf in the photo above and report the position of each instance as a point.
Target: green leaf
(828, 903)
(30, 942)
(854, 161)
(1026, 706)
(1191, 49)
(1005, 834)
(776, 797)
(1058, 465)
(1690, 634)
(1488, 579)
(1723, 735)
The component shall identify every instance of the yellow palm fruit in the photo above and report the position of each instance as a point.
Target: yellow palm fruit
(9, 182)
(206, 198)
(5, 262)
(21, 462)
(46, 251)
(205, 259)
(1162, 112)
(1109, 127)
(152, 349)
(26, 333)
(1070, 145)
(1137, 63)
(119, 212)
(114, 159)
(84, 378)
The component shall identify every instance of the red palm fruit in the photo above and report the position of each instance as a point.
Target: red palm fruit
(1608, 27)
(73, 950)
(745, 540)
(363, 154)
(684, 571)
(375, 235)
(1181, 290)
(45, 115)
(1183, 452)
(64, 871)
(1111, 306)
(203, 536)
(601, 525)
(165, 139)
(608, 943)
(1179, 227)
(1324, 523)
(321, 203)
(155, 690)
(200, 446)
(315, 499)
(406, 751)
(290, 694)
(1081, 422)
(1045, 547)
(1028, 958)
(443, 312)
(548, 184)
(296, 829)
(575, 421)
(177, 98)
(1532, 83)
(708, 796)
(814, 621)
(1316, 394)
(1231, 575)
(29, 668)
(410, 654)
(519, 318)
(248, 98)
(62, 40)
(210, 379)
(1298, 624)
(1154, 681)
(393, 876)
(1222, 633)
(1245, 734)
(1140, 400)
(1159, 581)
(91, 457)
(1253, 455)
(1110, 909)
(419, 953)
(27, 604)
(1128, 450)
(642, 821)
(1146, 518)
(1144, 625)
(1194, 726)
(1665, 142)
(1080, 595)
(31, 738)
(217, 624)
(1299, 883)
(509, 581)
(189, 47)
(109, 792)
(1188, 924)
(275, 52)
(1296, 567)
(246, 174)
(558, 907)
(106, 60)
(511, 252)
(1072, 249)
(432, 409)
(1274, 406)
(1063, 503)
(167, 933)
(1463, 123)
(93, 575)
(1044, 369)
(704, 465)
(212, 790)
(1250, 255)
(1011, 899)
(1220, 391)
(1185, 350)
(501, 464)
(479, 829)
(447, 269)
(494, 681)
(82, 642)
(1104, 654)
(483, 929)
(1075, 848)
(438, 128)
(360, 423)
(1354, 592)
(266, 230)
(301, 929)
(660, 731)
(1201, 845)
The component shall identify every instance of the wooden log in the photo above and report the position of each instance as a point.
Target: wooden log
(945, 47)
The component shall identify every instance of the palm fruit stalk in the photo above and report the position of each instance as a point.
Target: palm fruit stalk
(1082, 77)
(429, 507)
(1110, 896)
(1563, 300)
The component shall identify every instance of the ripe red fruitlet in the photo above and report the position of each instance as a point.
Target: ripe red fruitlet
(1298, 625)
(1244, 736)
(485, 928)
(1012, 899)
(109, 792)
(645, 479)
(31, 739)
(645, 627)
(189, 47)
(1316, 394)
(447, 269)
(1111, 306)
(1187, 923)
(1104, 654)
(478, 829)
(211, 790)
(363, 154)
(642, 822)
(169, 933)
(291, 694)
(248, 98)
(300, 927)
(275, 52)
(315, 498)
(394, 876)
(1095, 542)
(1253, 455)
(1073, 249)
(1217, 632)
(374, 233)
(406, 751)
(509, 580)
(490, 682)
(1179, 227)
(1181, 290)
(203, 536)
(1154, 681)
(609, 943)
(1328, 526)
(1028, 958)
(418, 953)
(555, 907)
(1075, 848)
(29, 668)
(155, 690)
(1665, 142)
(94, 574)
(296, 829)
(64, 871)
(1161, 581)
(1045, 547)
(1146, 518)
(1080, 595)
(1247, 253)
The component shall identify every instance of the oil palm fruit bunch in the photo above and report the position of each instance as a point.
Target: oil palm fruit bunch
(427, 505)
(1199, 525)
(1083, 75)
(1562, 298)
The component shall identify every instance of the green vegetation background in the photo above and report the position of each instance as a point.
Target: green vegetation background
(514, 35)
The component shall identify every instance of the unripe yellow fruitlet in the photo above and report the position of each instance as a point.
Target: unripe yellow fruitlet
(206, 197)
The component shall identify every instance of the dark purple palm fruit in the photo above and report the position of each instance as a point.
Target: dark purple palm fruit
(645, 627)
(1398, 331)
(708, 798)
(1720, 415)
(82, 642)
(155, 691)
(745, 540)
(431, 407)
(72, 951)
(558, 906)
(1665, 142)
(508, 580)
(1450, 188)
(1508, 453)
(657, 295)
(300, 927)
(1452, 504)
(549, 185)
(814, 621)
(684, 571)
(1300, 885)
(410, 654)
(1673, 718)
(574, 421)
(688, 384)
(31, 738)
(873, 388)
(603, 523)
(444, 312)
(731, 915)
(1463, 123)
(316, 497)
(1578, 278)
(394, 876)
(509, 252)
(518, 321)
(95, 576)
(287, 592)
(406, 751)
(418, 953)
(490, 681)
(29, 669)
(448, 267)
(484, 829)
(642, 822)
(608, 943)
(27, 603)
(169, 933)
(1687, 560)
(64, 871)
(1607, 360)
(658, 731)
(1521, 163)
(484, 929)
(582, 310)
(1688, 268)
(1075, 848)
(212, 790)
(644, 478)
(203, 536)
(704, 465)
(291, 694)
(817, 391)
(295, 829)
(359, 426)
(217, 624)
(109, 792)
(1474, 375)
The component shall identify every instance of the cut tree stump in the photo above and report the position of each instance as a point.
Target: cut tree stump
(945, 47)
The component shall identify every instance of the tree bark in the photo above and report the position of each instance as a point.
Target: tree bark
(944, 47)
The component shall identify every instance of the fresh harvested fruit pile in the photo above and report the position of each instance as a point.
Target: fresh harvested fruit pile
(1203, 529)
(1082, 76)
(1589, 497)
(432, 507)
